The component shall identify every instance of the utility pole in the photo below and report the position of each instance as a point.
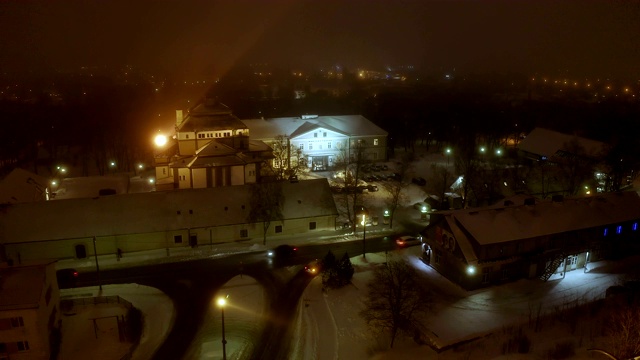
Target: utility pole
(95, 254)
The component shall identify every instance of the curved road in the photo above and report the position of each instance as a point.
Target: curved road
(192, 284)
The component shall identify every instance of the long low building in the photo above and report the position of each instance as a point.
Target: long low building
(528, 238)
(156, 220)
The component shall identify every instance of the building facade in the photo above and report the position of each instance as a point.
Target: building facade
(29, 315)
(158, 220)
(324, 140)
(210, 148)
(530, 239)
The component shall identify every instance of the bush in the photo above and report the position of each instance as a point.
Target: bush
(336, 274)
(563, 350)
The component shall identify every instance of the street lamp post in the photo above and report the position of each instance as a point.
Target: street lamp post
(364, 234)
(222, 302)
(448, 153)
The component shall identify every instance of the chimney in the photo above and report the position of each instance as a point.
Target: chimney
(179, 118)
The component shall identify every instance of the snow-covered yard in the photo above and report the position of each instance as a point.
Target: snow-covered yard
(493, 323)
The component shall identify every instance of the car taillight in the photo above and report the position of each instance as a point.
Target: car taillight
(75, 274)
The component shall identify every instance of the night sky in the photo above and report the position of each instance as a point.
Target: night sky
(205, 38)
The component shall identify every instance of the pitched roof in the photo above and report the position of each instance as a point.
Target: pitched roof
(13, 292)
(544, 142)
(210, 115)
(22, 186)
(349, 125)
(497, 224)
(155, 211)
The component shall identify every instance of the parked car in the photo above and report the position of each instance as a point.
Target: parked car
(372, 187)
(409, 240)
(394, 177)
(67, 278)
(419, 181)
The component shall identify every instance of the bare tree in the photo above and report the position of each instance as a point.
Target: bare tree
(349, 164)
(266, 202)
(288, 160)
(624, 332)
(439, 182)
(396, 189)
(395, 299)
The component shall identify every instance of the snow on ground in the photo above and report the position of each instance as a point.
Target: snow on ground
(329, 327)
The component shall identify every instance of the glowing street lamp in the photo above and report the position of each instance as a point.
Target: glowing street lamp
(362, 211)
(447, 153)
(160, 140)
(222, 302)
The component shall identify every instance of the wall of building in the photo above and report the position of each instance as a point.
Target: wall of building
(105, 245)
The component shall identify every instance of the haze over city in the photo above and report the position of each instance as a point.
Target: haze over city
(203, 39)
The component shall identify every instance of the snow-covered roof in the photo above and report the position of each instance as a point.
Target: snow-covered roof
(547, 143)
(22, 186)
(515, 222)
(210, 115)
(13, 292)
(155, 211)
(350, 125)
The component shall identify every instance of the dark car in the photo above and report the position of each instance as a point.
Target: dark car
(419, 181)
(67, 278)
(283, 255)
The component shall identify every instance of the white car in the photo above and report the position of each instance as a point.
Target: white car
(408, 240)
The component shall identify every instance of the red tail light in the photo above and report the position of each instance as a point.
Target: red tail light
(75, 274)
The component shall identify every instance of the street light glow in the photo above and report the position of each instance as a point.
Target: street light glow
(160, 140)
(222, 302)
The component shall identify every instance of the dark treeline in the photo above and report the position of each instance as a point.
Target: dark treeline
(112, 118)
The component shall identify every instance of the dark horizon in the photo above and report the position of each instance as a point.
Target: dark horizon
(204, 39)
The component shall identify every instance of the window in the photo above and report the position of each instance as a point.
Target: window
(186, 136)
(320, 146)
(81, 251)
(164, 171)
(200, 136)
(634, 227)
(618, 229)
(190, 211)
(485, 274)
(606, 231)
(505, 274)
(375, 142)
(315, 134)
(244, 233)
(301, 146)
(324, 134)
(329, 145)
(312, 225)
(310, 146)
(17, 322)
(22, 345)
(278, 229)
(437, 257)
(177, 239)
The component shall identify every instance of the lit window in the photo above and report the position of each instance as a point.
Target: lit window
(375, 141)
(634, 226)
(618, 229)
(606, 231)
